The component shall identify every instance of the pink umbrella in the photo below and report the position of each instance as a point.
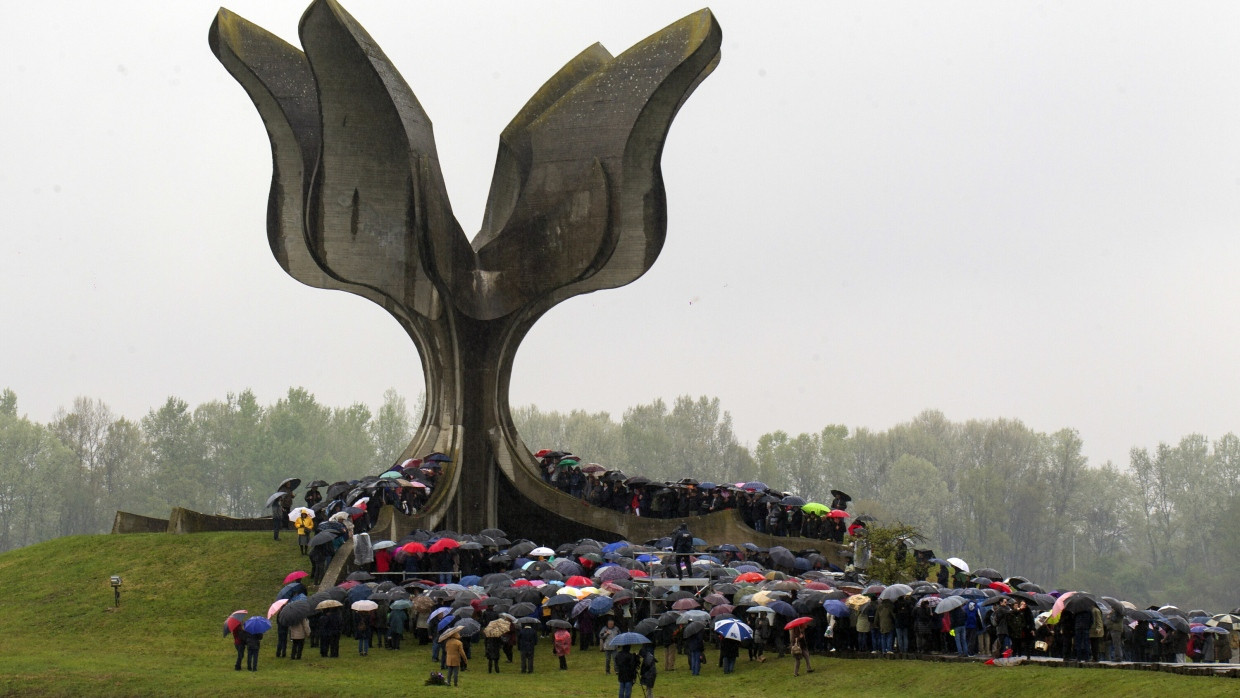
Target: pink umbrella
(275, 607)
(294, 576)
(685, 605)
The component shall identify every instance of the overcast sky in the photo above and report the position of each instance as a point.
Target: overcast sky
(1017, 210)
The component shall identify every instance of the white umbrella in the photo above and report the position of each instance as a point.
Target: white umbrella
(364, 605)
(296, 513)
(542, 552)
(958, 563)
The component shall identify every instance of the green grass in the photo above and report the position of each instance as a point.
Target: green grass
(60, 635)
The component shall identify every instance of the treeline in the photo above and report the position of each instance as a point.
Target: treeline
(1164, 527)
(71, 476)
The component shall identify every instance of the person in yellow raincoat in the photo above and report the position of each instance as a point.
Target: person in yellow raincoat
(304, 523)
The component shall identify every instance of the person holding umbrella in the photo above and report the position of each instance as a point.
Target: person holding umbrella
(303, 522)
(649, 669)
(682, 549)
(527, 641)
(626, 671)
(796, 633)
(298, 632)
(454, 654)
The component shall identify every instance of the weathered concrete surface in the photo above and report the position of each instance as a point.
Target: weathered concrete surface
(188, 521)
(125, 522)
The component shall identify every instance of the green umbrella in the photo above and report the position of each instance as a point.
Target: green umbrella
(816, 508)
(567, 463)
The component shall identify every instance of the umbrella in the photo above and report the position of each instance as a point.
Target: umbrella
(360, 576)
(234, 621)
(628, 639)
(816, 508)
(755, 485)
(443, 637)
(272, 499)
(294, 612)
(294, 576)
(958, 564)
(324, 537)
(783, 608)
(693, 628)
(400, 604)
(803, 620)
(256, 625)
(561, 624)
(989, 573)
(895, 591)
(469, 627)
(289, 484)
(443, 544)
(290, 590)
(600, 605)
(541, 552)
(364, 605)
(949, 604)
(857, 600)
(733, 629)
(297, 511)
(685, 605)
(835, 607)
(497, 628)
(436, 457)
(1225, 620)
(275, 607)
(329, 603)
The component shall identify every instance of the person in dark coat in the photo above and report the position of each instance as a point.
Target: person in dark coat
(729, 650)
(252, 642)
(330, 627)
(491, 649)
(682, 548)
(527, 641)
(649, 670)
(626, 671)
(696, 649)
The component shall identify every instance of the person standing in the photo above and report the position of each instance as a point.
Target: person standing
(239, 634)
(398, 619)
(696, 649)
(626, 671)
(298, 632)
(604, 642)
(527, 641)
(562, 644)
(729, 650)
(252, 642)
(649, 670)
(305, 528)
(682, 549)
(454, 654)
(329, 633)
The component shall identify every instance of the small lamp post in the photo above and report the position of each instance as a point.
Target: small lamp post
(116, 588)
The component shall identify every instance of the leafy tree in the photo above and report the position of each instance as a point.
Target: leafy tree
(891, 551)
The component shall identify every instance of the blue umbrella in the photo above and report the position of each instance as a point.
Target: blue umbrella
(707, 486)
(445, 623)
(613, 547)
(647, 558)
(600, 605)
(783, 608)
(733, 629)
(835, 607)
(256, 625)
(629, 639)
(290, 590)
(470, 580)
(359, 592)
(697, 542)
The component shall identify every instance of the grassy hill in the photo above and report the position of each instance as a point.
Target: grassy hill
(60, 635)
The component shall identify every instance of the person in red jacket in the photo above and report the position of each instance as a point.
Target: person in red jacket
(562, 646)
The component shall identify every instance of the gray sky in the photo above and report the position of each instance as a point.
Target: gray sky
(1021, 210)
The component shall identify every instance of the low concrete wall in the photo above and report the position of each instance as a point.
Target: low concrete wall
(187, 521)
(126, 522)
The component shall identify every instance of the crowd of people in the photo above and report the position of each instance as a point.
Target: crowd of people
(452, 591)
(762, 508)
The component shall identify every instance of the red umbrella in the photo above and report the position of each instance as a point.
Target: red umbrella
(837, 514)
(797, 623)
(577, 581)
(637, 573)
(235, 620)
(750, 577)
(413, 548)
(443, 544)
(522, 583)
(818, 586)
(1000, 586)
(294, 576)
(685, 604)
(542, 453)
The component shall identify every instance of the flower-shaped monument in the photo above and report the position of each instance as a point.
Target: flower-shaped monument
(358, 204)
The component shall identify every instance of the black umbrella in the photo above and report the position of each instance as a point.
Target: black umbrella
(646, 626)
(989, 573)
(1079, 603)
(289, 484)
(337, 489)
(324, 537)
(492, 533)
(557, 623)
(317, 483)
(294, 612)
(840, 495)
(694, 628)
(360, 576)
(1031, 588)
(436, 457)
(792, 501)
(272, 499)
